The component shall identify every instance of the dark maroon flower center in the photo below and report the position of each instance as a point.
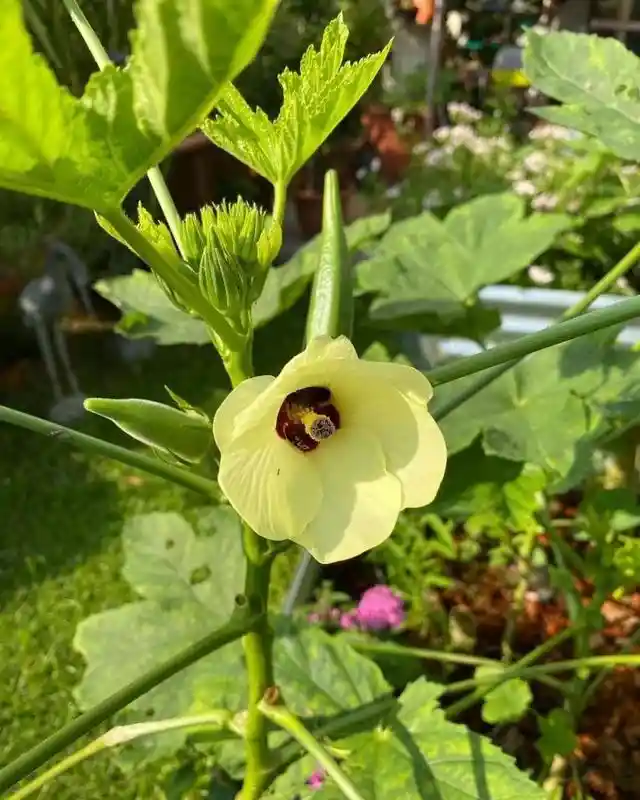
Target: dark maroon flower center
(306, 417)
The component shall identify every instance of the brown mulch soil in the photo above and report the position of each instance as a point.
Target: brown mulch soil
(608, 755)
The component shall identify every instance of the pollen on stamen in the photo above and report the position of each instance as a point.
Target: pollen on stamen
(307, 417)
(321, 428)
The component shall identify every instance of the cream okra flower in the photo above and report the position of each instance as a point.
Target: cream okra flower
(329, 452)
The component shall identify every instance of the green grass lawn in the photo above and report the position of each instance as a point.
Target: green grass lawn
(61, 513)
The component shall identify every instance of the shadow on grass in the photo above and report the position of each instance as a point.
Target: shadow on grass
(57, 505)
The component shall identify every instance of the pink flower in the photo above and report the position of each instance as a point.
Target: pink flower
(349, 620)
(314, 618)
(316, 779)
(379, 608)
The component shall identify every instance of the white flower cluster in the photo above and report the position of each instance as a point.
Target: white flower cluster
(465, 136)
(536, 162)
(540, 276)
(463, 112)
(545, 201)
(556, 133)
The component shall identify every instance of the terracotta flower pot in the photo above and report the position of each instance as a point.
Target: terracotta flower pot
(392, 150)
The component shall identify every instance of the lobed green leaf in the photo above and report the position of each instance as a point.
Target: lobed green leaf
(597, 79)
(315, 100)
(188, 584)
(427, 265)
(417, 755)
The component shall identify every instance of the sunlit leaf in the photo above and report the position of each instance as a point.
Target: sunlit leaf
(596, 78)
(489, 494)
(542, 409)
(427, 265)
(557, 734)
(319, 675)
(508, 702)
(147, 311)
(188, 584)
(92, 150)
(416, 755)
(315, 100)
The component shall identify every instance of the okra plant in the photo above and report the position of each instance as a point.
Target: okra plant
(324, 455)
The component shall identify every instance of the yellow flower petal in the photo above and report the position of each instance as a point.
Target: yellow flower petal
(234, 403)
(322, 348)
(422, 474)
(406, 379)
(360, 499)
(273, 487)
(412, 442)
(322, 358)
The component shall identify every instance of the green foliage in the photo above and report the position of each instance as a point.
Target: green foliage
(286, 284)
(550, 408)
(490, 497)
(427, 266)
(318, 675)
(597, 80)
(416, 753)
(557, 734)
(188, 584)
(322, 675)
(508, 702)
(147, 311)
(601, 547)
(315, 100)
(92, 150)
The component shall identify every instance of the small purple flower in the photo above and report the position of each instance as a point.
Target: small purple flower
(314, 618)
(379, 608)
(316, 779)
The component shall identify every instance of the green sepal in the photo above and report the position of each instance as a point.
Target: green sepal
(158, 235)
(185, 435)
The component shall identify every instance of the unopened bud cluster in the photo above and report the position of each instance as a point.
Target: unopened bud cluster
(231, 247)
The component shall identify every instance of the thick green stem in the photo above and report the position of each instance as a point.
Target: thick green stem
(341, 725)
(603, 285)
(556, 334)
(101, 57)
(123, 734)
(239, 364)
(279, 203)
(163, 195)
(238, 626)
(91, 444)
(257, 643)
(257, 646)
(282, 717)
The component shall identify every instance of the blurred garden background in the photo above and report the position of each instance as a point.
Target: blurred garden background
(449, 122)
